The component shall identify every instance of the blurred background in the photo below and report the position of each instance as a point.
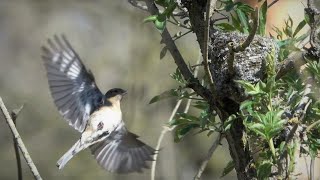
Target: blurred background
(121, 52)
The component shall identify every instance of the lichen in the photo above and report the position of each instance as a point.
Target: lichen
(249, 65)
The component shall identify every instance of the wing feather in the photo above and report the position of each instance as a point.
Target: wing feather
(72, 86)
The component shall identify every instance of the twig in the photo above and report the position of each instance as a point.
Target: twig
(14, 115)
(21, 145)
(179, 24)
(210, 153)
(314, 124)
(271, 4)
(244, 45)
(205, 46)
(312, 169)
(295, 60)
(249, 39)
(182, 35)
(163, 132)
(166, 129)
(138, 5)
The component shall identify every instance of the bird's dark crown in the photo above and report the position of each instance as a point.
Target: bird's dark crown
(115, 91)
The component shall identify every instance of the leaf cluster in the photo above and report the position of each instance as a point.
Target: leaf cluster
(240, 15)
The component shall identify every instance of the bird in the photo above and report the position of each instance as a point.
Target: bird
(97, 116)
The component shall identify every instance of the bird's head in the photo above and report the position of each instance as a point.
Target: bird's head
(115, 94)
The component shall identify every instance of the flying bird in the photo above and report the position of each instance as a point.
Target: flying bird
(96, 116)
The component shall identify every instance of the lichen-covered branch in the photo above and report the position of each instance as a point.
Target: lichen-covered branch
(21, 145)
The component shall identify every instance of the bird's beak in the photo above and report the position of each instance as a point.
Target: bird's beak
(124, 93)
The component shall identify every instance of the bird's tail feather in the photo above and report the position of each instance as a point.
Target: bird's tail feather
(77, 147)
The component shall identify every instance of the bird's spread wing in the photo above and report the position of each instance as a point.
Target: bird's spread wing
(72, 87)
(124, 155)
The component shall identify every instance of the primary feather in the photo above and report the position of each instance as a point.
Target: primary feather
(72, 87)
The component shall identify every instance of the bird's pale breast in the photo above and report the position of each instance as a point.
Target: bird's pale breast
(109, 116)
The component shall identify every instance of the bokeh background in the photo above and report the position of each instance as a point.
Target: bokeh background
(122, 52)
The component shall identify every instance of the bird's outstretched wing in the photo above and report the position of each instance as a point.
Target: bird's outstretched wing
(72, 87)
(123, 155)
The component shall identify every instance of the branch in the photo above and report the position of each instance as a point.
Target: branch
(14, 115)
(166, 129)
(178, 59)
(210, 153)
(17, 137)
(295, 60)
(205, 44)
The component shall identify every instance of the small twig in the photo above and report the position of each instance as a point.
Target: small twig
(167, 129)
(205, 46)
(14, 115)
(182, 35)
(21, 145)
(249, 39)
(314, 124)
(204, 163)
(271, 4)
(163, 132)
(244, 45)
(179, 24)
(312, 169)
(294, 61)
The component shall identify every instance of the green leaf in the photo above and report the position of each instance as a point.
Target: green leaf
(245, 8)
(246, 104)
(281, 147)
(263, 18)
(165, 95)
(172, 6)
(228, 168)
(160, 25)
(178, 76)
(163, 52)
(236, 23)
(227, 124)
(288, 28)
(307, 18)
(246, 85)
(299, 27)
(204, 116)
(182, 131)
(202, 105)
(150, 18)
(264, 170)
(244, 20)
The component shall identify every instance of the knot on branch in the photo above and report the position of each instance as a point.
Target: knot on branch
(249, 64)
